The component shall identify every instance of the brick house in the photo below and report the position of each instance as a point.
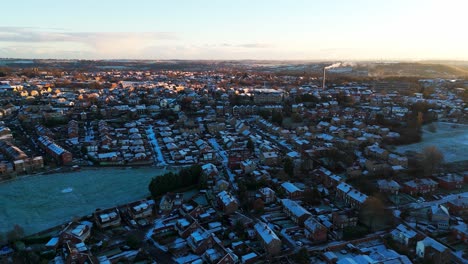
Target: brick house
(140, 209)
(199, 241)
(76, 232)
(297, 213)
(404, 235)
(57, 152)
(227, 202)
(342, 189)
(186, 226)
(171, 201)
(315, 231)
(431, 250)
(458, 206)
(267, 194)
(107, 218)
(270, 241)
(460, 232)
(421, 186)
(292, 192)
(450, 182)
(388, 186)
(328, 178)
(350, 196)
(342, 219)
(269, 158)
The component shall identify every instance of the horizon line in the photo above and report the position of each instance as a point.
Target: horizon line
(266, 60)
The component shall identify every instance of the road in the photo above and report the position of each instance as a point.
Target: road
(158, 252)
(158, 157)
(223, 155)
(445, 199)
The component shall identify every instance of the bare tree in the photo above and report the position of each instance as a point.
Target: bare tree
(258, 205)
(373, 213)
(432, 159)
(15, 234)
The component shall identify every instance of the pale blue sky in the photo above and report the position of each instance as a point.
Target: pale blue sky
(242, 29)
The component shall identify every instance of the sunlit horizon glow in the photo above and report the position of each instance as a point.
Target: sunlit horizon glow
(235, 30)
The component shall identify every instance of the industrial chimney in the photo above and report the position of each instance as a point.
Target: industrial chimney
(324, 75)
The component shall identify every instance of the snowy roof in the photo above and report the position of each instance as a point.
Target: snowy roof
(312, 224)
(461, 228)
(460, 202)
(294, 208)
(248, 257)
(330, 255)
(429, 242)
(198, 236)
(376, 148)
(451, 178)
(52, 242)
(358, 196)
(183, 222)
(265, 232)
(420, 182)
(344, 187)
(266, 191)
(190, 258)
(405, 231)
(388, 184)
(107, 155)
(294, 154)
(289, 187)
(226, 198)
(347, 261)
(325, 171)
(78, 230)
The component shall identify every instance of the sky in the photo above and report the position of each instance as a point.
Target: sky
(235, 30)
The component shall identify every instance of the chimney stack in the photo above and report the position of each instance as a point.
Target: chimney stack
(323, 80)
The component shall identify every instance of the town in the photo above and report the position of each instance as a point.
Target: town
(260, 166)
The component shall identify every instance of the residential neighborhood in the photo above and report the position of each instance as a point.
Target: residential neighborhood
(264, 168)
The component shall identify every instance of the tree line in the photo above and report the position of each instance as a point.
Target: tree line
(171, 181)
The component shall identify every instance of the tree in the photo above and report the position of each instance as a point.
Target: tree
(312, 196)
(432, 159)
(15, 234)
(350, 233)
(288, 167)
(4, 71)
(258, 205)
(203, 181)
(302, 256)
(373, 213)
(133, 241)
(404, 214)
(304, 167)
(95, 85)
(170, 181)
(277, 118)
(239, 227)
(250, 145)
(297, 118)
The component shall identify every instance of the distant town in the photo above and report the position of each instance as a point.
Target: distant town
(254, 162)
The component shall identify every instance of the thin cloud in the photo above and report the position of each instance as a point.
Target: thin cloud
(102, 44)
(254, 45)
(245, 45)
(32, 34)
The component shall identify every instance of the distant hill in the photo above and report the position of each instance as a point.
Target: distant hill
(419, 69)
(422, 69)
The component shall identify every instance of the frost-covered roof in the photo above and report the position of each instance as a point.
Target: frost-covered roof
(265, 232)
